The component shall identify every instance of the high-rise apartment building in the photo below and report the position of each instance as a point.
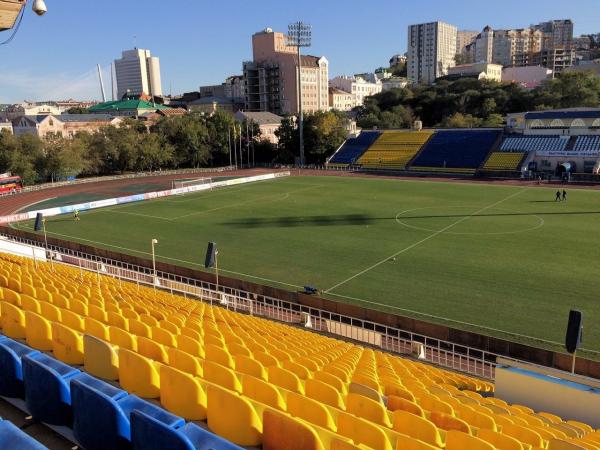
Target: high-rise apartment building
(463, 39)
(431, 50)
(138, 72)
(516, 47)
(558, 34)
(272, 77)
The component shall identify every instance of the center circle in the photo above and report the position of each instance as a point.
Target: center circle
(496, 217)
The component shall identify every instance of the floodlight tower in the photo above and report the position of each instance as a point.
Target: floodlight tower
(300, 35)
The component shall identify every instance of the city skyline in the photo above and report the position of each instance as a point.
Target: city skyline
(196, 50)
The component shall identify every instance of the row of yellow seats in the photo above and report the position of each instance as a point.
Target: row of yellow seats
(503, 161)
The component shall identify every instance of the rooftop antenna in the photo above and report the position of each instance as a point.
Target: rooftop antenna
(101, 83)
(135, 41)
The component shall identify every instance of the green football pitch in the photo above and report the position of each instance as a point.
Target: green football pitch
(506, 261)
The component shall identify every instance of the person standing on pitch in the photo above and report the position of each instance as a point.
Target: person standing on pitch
(564, 195)
(76, 215)
(557, 199)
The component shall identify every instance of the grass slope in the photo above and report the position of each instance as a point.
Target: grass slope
(492, 259)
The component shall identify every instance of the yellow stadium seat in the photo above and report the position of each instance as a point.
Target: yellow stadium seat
(476, 419)
(192, 333)
(163, 336)
(96, 312)
(153, 350)
(330, 379)
(13, 320)
(233, 417)
(100, 358)
(67, 344)
(368, 409)
(169, 326)
(248, 365)
(117, 320)
(139, 375)
(499, 440)
(325, 393)
(363, 432)
(285, 379)
(78, 307)
(399, 403)
(61, 301)
(218, 355)
(283, 432)
(417, 427)
(30, 304)
(50, 312)
(96, 328)
(121, 338)
(129, 313)
(262, 392)
(38, 332)
(139, 328)
(221, 376)
(190, 345)
(309, 410)
(456, 440)
(301, 372)
(523, 434)
(405, 442)
(265, 359)
(448, 422)
(185, 362)
(72, 320)
(11, 297)
(182, 394)
(28, 290)
(236, 349)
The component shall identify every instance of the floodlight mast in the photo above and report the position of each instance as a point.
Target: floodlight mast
(300, 35)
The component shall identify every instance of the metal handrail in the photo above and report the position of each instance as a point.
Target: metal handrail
(443, 353)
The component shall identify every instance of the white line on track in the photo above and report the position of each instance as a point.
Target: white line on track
(425, 239)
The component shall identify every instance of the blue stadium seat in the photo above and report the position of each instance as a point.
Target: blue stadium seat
(587, 143)
(47, 392)
(352, 148)
(101, 415)
(459, 149)
(533, 143)
(11, 438)
(11, 369)
(147, 433)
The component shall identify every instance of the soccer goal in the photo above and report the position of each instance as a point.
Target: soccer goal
(189, 182)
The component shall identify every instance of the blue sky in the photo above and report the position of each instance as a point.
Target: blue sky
(203, 41)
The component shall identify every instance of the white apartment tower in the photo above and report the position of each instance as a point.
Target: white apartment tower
(431, 50)
(138, 72)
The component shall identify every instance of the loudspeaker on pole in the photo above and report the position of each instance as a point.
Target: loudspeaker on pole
(211, 254)
(574, 331)
(38, 222)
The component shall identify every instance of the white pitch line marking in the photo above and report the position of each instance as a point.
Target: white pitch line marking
(425, 239)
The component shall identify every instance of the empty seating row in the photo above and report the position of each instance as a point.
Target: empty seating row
(534, 143)
(456, 151)
(100, 414)
(352, 148)
(504, 161)
(394, 149)
(250, 378)
(587, 143)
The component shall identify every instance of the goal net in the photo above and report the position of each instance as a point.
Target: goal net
(189, 182)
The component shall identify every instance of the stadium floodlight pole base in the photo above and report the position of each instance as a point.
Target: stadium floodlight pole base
(573, 362)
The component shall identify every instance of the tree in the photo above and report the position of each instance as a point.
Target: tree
(78, 110)
(152, 153)
(287, 134)
(189, 137)
(324, 132)
(399, 70)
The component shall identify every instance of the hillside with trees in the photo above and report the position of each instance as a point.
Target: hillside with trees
(469, 102)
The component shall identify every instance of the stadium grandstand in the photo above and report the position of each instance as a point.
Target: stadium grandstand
(532, 144)
(394, 149)
(121, 365)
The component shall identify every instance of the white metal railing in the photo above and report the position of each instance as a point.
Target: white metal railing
(394, 340)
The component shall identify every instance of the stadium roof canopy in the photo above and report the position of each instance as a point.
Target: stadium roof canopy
(564, 114)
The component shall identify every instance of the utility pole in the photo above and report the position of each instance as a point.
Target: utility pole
(300, 35)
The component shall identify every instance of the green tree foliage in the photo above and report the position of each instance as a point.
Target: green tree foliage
(450, 103)
(324, 132)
